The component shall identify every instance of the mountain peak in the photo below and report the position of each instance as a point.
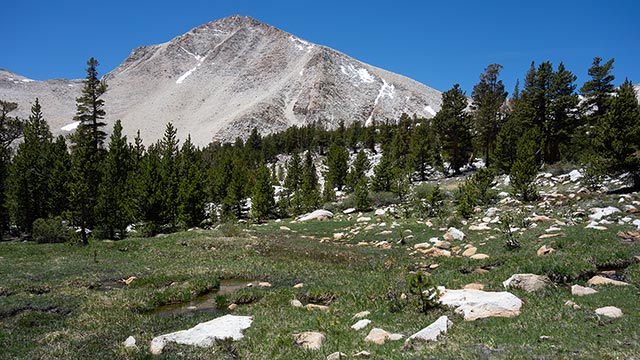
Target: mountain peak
(221, 79)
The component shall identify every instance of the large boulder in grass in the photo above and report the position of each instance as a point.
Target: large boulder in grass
(433, 331)
(527, 282)
(320, 214)
(204, 334)
(478, 304)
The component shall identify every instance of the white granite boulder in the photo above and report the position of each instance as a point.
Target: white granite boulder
(320, 214)
(204, 334)
(478, 304)
(433, 331)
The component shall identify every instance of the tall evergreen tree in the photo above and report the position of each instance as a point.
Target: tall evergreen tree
(383, 174)
(10, 130)
(488, 96)
(454, 128)
(112, 209)
(31, 172)
(423, 151)
(149, 198)
(337, 164)
(191, 189)
(617, 134)
(60, 169)
(262, 197)
(524, 170)
(87, 150)
(358, 170)
(292, 182)
(90, 107)
(168, 147)
(599, 90)
(309, 188)
(563, 119)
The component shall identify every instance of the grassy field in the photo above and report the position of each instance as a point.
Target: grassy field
(67, 301)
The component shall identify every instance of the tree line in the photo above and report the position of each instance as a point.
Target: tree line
(104, 184)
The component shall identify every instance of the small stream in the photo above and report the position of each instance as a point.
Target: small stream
(205, 303)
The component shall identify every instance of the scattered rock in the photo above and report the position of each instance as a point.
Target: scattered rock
(338, 236)
(317, 307)
(601, 280)
(361, 314)
(436, 252)
(540, 218)
(204, 334)
(453, 234)
(609, 311)
(296, 303)
(383, 245)
(479, 257)
(478, 304)
(320, 214)
(474, 286)
(547, 236)
(285, 228)
(363, 219)
(232, 306)
(599, 213)
(349, 211)
(527, 282)
(629, 236)
(422, 246)
(264, 284)
(336, 356)
(380, 212)
(443, 245)
(545, 250)
(491, 212)
(379, 336)
(298, 286)
(575, 175)
(595, 225)
(572, 304)
(130, 342)
(129, 280)
(470, 252)
(362, 353)
(310, 340)
(386, 232)
(431, 332)
(578, 290)
(361, 324)
(479, 227)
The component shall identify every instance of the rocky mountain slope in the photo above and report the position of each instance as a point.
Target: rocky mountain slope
(221, 79)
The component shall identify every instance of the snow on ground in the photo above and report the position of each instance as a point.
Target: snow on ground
(200, 59)
(430, 110)
(70, 127)
(385, 90)
(362, 74)
(301, 44)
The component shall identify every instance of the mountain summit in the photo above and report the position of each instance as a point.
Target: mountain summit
(221, 79)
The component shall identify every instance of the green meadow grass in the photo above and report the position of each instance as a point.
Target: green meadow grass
(67, 301)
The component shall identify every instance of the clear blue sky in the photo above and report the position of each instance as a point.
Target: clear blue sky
(438, 43)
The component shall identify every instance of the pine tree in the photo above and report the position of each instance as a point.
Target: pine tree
(31, 172)
(309, 188)
(149, 199)
(112, 211)
(89, 107)
(422, 149)
(10, 130)
(191, 189)
(563, 119)
(525, 169)
(358, 169)
(262, 198)
(488, 96)
(617, 134)
(361, 195)
(599, 90)
(233, 203)
(337, 164)
(383, 174)
(168, 147)
(453, 126)
(87, 150)
(292, 183)
(60, 168)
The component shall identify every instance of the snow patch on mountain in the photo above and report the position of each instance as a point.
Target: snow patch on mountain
(301, 44)
(361, 73)
(199, 59)
(387, 90)
(430, 110)
(70, 127)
